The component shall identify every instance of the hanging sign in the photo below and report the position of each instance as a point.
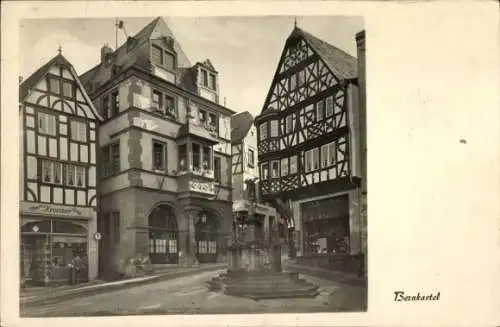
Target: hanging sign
(97, 236)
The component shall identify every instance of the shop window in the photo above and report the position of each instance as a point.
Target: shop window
(163, 236)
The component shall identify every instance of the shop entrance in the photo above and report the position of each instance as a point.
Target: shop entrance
(48, 247)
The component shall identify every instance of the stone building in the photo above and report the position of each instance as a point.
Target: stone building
(165, 154)
(312, 148)
(58, 183)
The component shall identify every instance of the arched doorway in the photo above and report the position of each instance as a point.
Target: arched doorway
(206, 238)
(163, 236)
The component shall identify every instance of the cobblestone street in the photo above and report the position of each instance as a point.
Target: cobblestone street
(188, 295)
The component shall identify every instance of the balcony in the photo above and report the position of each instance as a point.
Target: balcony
(199, 130)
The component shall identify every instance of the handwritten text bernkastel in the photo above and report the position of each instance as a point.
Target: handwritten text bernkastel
(401, 296)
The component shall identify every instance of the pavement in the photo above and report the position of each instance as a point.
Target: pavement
(185, 292)
(45, 295)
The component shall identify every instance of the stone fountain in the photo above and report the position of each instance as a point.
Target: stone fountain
(254, 261)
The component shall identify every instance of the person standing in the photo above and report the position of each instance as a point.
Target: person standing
(77, 266)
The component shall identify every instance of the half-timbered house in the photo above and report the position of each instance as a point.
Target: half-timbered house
(310, 150)
(245, 167)
(165, 189)
(58, 193)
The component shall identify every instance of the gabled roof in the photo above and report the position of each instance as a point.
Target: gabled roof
(34, 78)
(207, 64)
(342, 64)
(127, 56)
(240, 125)
(40, 73)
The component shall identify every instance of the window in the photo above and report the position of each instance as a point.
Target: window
(169, 104)
(275, 169)
(264, 171)
(105, 107)
(182, 157)
(263, 131)
(111, 160)
(54, 85)
(284, 167)
(68, 89)
(196, 156)
(324, 156)
(331, 154)
(251, 158)
(207, 158)
(169, 61)
(212, 120)
(301, 77)
(315, 158)
(69, 175)
(289, 123)
(159, 156)
(115, 104)
(320, 109)
(46, 123)
(274, 128)
(78, 131)
(157, 55)
(213, 82)
(293, 82)
(57, 172)
(157, 103)
(293, 164)
(308, 161)
(202, 116)
(80, 176)
(204, 78)
(217, 169)
(329, 106)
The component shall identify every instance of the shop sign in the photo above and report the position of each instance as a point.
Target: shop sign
(54, 210)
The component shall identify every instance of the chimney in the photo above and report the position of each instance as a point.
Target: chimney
(106, 52)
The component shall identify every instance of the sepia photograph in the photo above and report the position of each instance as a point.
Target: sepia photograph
(192, 165)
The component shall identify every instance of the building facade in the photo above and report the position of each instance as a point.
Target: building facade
(165, 154)
(311, 154)
(58, 193)
(245, 167)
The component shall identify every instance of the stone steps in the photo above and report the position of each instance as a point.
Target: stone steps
(259, 287)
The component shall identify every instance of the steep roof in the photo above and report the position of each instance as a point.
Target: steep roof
(40, 73)
(342, 64)
(34, 78)
(127, 55)
(240, 125)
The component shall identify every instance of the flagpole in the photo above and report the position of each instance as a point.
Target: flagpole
(116, 33)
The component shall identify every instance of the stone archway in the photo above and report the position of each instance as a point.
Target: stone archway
(207, 235)
(163, 235)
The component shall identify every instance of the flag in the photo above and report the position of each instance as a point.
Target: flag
(120, 24)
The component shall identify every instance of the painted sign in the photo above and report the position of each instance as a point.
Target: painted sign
(52, 210)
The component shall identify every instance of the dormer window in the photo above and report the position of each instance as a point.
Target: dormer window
(204, 78)
(162, 58)
(208, 80)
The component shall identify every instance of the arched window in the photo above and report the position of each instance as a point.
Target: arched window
(163, 235)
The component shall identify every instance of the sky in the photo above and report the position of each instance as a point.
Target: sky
(244, 50)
